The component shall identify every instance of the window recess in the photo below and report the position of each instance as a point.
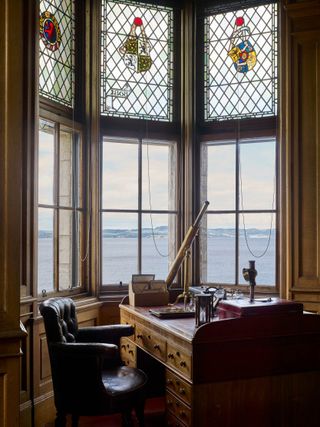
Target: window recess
(238, 145)
(139, 208)
(241, 222)
(60, 208)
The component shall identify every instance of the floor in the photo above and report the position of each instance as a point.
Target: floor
(154, 417)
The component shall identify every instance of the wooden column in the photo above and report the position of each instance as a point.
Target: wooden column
(92, 116)
(187, 120)
(11, 140)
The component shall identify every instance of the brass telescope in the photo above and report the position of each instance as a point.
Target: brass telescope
(184, 254)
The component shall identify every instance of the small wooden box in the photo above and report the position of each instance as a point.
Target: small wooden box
(150, 294)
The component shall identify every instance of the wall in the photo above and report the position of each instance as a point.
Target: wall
(303, 160)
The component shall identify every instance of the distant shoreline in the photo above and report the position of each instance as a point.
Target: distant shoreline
(162, 232)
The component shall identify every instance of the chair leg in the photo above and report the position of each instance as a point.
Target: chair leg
(139, 408)
(61, 420)
(75, 419)
(126, 419)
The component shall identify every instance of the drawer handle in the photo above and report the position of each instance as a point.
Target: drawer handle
(156, 347)
(183, 364)
(139, 336)
(170, 356)
(130, 351)
(149, 336)
(169, 382)
(169, 402)
(177, 404)
(178, 353)
(182, 390)
(123, 346)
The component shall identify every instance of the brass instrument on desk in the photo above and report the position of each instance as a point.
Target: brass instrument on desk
(184, 254)
(249, 275)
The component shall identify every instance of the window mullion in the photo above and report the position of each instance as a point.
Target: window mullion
(140, 206)
(56, 203)
(74, 189)
(237, 212)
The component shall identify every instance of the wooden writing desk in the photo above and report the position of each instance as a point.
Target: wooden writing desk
(258, 368)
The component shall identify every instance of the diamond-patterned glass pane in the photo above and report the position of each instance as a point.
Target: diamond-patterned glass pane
(234, 87)
(136, 60)
(56, 65)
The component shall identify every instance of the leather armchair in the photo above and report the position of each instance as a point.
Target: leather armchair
(87, 373)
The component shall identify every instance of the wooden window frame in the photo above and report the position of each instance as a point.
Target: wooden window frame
(251, 128)
(139, 211)
(117, 127)
(79, 181)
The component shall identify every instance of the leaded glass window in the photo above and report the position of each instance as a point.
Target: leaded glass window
(56, 50)
(137, 60)
(240, 56)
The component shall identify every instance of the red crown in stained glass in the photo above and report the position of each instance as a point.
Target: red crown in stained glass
(239, 21)
(137, 21)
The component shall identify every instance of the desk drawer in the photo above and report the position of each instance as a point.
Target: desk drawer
(152, 342)
(179, 409)
(173, 421)
(179, 360)
(126, 319)
(128, 352)
(178, 386)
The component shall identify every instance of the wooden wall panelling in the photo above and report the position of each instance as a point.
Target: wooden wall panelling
(303, 96)
(25, 389)
(109, 312)
(26, 314)
(306, 143)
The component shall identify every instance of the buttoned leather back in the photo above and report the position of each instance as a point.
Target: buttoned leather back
(60, 320)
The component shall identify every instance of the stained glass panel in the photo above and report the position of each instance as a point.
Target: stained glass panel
(136, 60)
(56, 50)
(241, 63)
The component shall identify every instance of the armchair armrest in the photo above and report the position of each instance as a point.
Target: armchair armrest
(104, 334)
(76, 350)
(77, 370)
